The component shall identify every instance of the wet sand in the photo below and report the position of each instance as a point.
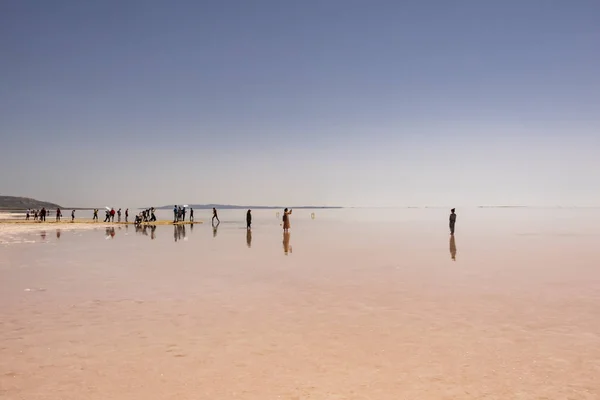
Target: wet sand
(355, 304)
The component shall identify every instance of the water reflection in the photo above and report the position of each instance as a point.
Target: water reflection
(452, 248)
(249, 238)
(143, 230)
(286, 243)
(215, 228)
(178, 232)
(58, 233)
(110, 233)
(43, 235)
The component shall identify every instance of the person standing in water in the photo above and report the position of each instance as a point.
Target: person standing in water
(286, 219)
(175, 209)
(58, 214)
(215, 216)
(119, 215)
(95, 218)
(127, 215)
(73, 216)
(452, 220)
(249, 220)
(191, 214)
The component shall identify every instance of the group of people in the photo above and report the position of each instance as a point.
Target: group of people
(40, 215)
(179, 213)
(109, 215)
(146, 215)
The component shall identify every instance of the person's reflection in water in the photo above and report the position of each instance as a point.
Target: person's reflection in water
(58, 233)
(174, 232)
(452, 248)
(191, 227)
(286, 243)
(110, 233)
(249, 238)
(179, 232)
(215, 228)
(152, 232)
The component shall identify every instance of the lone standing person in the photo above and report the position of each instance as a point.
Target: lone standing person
(215, 216)
(95, 215)
(73, 216)
(452, 220)
(286, 219)
(249, 220)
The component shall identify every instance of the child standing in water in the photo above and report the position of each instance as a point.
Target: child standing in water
(286, 219)
(452, 221)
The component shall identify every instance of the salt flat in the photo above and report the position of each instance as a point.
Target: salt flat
(354, 304)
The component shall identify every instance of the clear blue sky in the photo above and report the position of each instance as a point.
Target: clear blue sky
(334, 102)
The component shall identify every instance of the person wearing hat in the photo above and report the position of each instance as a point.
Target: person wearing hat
(452, 221)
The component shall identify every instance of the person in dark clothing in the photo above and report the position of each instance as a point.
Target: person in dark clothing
(73, 216)
(58, 214)
(452, 221)
(152, 216)
(127, 215)
(191, 214)
(95, 215)
(119, 215)
(249, 220)
(43, 214)
(107, 219)
(215, 216)
(175, 209)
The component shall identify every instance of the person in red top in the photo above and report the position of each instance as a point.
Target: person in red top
(112, 215)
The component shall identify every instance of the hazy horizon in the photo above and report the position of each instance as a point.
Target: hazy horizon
(333, 103)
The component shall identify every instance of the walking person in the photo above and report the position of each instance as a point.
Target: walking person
(112, 214)
(215, 216)
(127, 215)
(249, 220)
(107, 218)
(191, 214)
(95, 219)
(452, 220)
(286, 220)
(119, 215)
(73, 216)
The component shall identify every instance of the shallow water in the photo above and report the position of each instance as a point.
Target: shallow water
(354, 304)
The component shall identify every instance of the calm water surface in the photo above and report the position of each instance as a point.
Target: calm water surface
(353, 304)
